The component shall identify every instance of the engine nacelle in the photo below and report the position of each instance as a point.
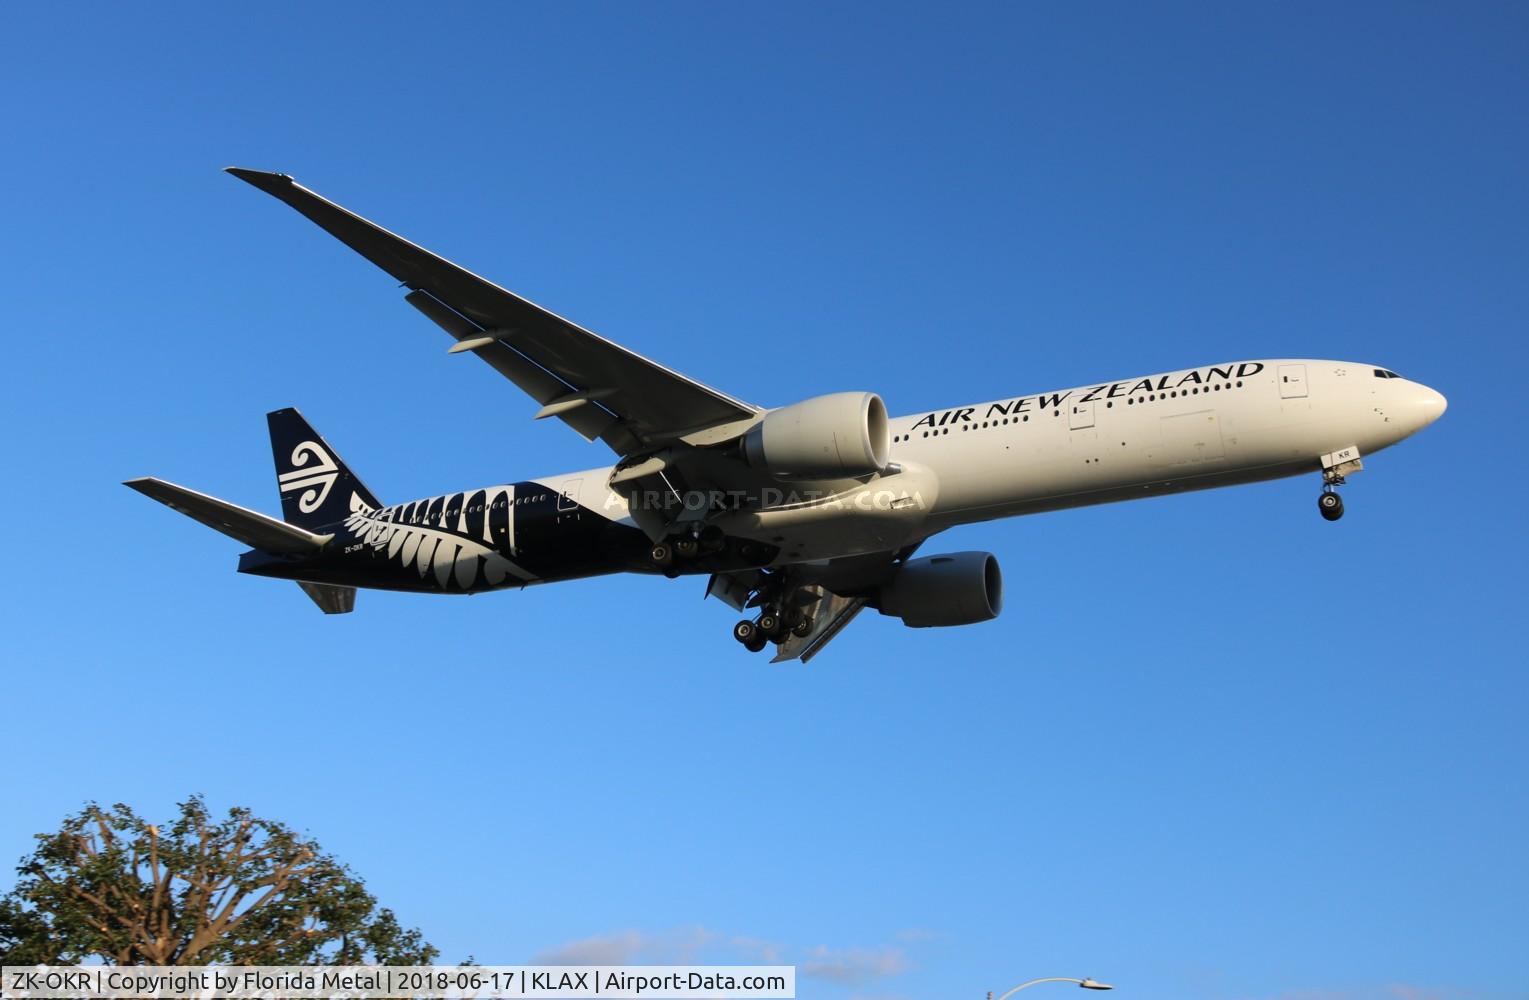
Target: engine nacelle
(961, 588)
(840, 435)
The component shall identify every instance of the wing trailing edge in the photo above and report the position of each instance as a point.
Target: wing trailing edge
(641, 404)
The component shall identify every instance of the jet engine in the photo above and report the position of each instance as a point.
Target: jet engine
(961, 588)
(841, 435)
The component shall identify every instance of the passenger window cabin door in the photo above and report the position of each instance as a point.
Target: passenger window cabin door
(1292, 381)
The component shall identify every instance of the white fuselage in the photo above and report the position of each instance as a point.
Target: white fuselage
(1199, 428)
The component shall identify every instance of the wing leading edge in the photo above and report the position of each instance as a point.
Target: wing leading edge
(596, 386)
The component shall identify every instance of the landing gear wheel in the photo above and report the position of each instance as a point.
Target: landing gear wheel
(686, 548)
(745, 632)
(748, 633)
(661, 554)
(802, 628)
(1331, 506)
(769, 624)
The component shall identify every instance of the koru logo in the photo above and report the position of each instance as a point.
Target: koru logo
(314, 473)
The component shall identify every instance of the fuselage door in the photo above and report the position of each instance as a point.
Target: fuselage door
(568, 500)
(1081, 417)
(1292, 381)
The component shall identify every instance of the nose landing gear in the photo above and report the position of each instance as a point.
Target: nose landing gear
(1334, 467)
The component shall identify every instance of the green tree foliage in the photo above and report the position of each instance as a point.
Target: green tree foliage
(238, 890)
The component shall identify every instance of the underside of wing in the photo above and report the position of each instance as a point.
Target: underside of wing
(599, 388)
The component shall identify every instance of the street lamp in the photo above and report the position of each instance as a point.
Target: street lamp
(1087, 984)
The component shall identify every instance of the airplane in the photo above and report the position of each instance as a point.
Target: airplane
(800, 516)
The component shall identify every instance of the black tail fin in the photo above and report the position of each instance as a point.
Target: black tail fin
(316, 487)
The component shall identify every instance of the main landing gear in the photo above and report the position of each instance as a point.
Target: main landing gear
(749, 633)
(782, 613)
(670, 554)
(771, 626)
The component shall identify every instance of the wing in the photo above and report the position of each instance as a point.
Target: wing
(599, 388)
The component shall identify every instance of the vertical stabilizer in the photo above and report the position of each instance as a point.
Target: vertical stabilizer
(316, 486)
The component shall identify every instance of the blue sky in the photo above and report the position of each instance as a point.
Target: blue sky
(1215, 748)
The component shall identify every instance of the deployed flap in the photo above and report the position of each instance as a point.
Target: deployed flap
(649, 402)
(832, 615)
(535, 381)
(250, 527)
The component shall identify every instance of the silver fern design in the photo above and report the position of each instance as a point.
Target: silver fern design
(416, 538)
(316, 480)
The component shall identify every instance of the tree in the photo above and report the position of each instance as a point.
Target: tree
(241, 890)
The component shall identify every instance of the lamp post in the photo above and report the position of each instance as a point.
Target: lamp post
(1087, 984)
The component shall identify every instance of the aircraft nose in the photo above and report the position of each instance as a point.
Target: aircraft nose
(1428, 405)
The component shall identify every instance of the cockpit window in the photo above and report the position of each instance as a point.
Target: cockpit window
(1382, 373)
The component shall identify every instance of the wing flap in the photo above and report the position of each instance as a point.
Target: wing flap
(833, 614)
(532, 379)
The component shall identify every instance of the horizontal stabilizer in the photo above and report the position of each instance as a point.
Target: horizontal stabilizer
(331, 599)
(250, 527)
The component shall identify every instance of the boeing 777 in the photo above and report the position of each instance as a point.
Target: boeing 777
(800, 516)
